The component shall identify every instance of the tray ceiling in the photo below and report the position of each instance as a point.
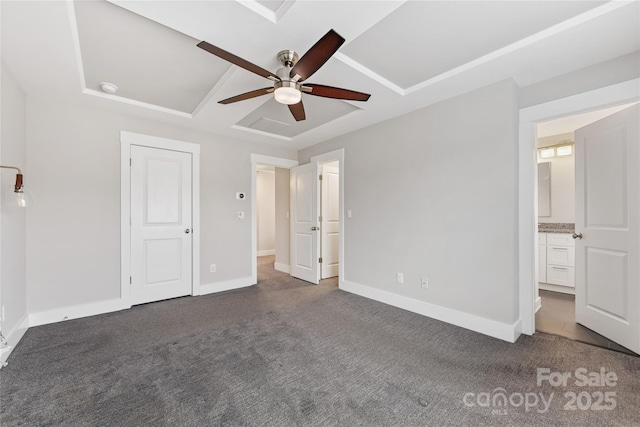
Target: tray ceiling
(407, 54)
(148, 62)
(423, 39)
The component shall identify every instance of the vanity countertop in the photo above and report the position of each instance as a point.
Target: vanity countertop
(556, 227)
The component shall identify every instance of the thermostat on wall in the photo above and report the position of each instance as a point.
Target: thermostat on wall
(240, 196)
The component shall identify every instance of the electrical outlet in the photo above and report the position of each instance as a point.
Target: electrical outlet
(400, 278)
(424, 282)
(212, 268)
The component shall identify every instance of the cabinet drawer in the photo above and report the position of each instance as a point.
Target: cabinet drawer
(542, 238)
(563, 276)
(561, 255)
(560, 239)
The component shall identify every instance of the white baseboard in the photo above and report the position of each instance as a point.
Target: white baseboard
(267, 252)
(227, 285)
(92, 309)
(76, 312)
(282, 267)
(472, 322)
(538, 304)
(557, 288)
(517, 331)
(13, 338)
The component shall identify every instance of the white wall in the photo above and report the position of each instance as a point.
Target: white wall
(13, 289)
(617, 70)
(266, 211)
(73, 244)
(434, 193)
(563, 185)
(282, 218)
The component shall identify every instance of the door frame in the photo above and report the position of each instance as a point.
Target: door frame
(608, 96)
(277, 162)
(336, 155)
(127, 139)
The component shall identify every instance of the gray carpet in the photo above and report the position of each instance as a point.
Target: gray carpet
(288, 353)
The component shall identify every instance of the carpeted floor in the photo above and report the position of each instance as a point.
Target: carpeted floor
(286, 353)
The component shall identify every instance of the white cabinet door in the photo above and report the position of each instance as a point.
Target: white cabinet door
(160, 224)
(305, 234)
(608, 217)
(542, 238)
(542, 257)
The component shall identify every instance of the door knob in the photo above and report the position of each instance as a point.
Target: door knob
(577, 235)
(187, 231)
(315, 228)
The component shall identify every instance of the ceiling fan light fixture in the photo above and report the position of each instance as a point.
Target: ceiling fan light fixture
(287, 92)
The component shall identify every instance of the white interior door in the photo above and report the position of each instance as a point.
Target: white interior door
(608, 217)
(305, 235)
(161, 238)
(330, 224)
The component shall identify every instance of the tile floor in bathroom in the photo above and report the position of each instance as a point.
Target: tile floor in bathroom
(557, 316)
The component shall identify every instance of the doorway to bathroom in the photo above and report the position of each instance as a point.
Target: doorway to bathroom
(585, 185)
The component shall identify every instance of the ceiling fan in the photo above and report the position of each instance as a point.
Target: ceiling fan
(288, 87)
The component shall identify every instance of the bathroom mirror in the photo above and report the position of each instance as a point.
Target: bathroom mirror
(544, 189)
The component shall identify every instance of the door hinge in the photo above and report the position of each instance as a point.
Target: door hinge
(320, 260)
(320, 177)
(320, 219)
(130, 162)
(130, 281)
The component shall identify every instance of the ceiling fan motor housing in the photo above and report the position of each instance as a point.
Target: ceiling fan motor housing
(283, 73)
(288, 58)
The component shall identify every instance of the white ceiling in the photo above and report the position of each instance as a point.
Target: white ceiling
(406, 54)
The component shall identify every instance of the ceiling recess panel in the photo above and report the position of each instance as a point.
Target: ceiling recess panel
(148, 62)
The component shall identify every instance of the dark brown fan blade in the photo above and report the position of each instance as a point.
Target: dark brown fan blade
(248, 95)
(242, 63)
(335, 92)
(316, 56)
(298, 111)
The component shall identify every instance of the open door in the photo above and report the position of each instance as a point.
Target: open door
(330, 228)
(608, 227)
(305, 227)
